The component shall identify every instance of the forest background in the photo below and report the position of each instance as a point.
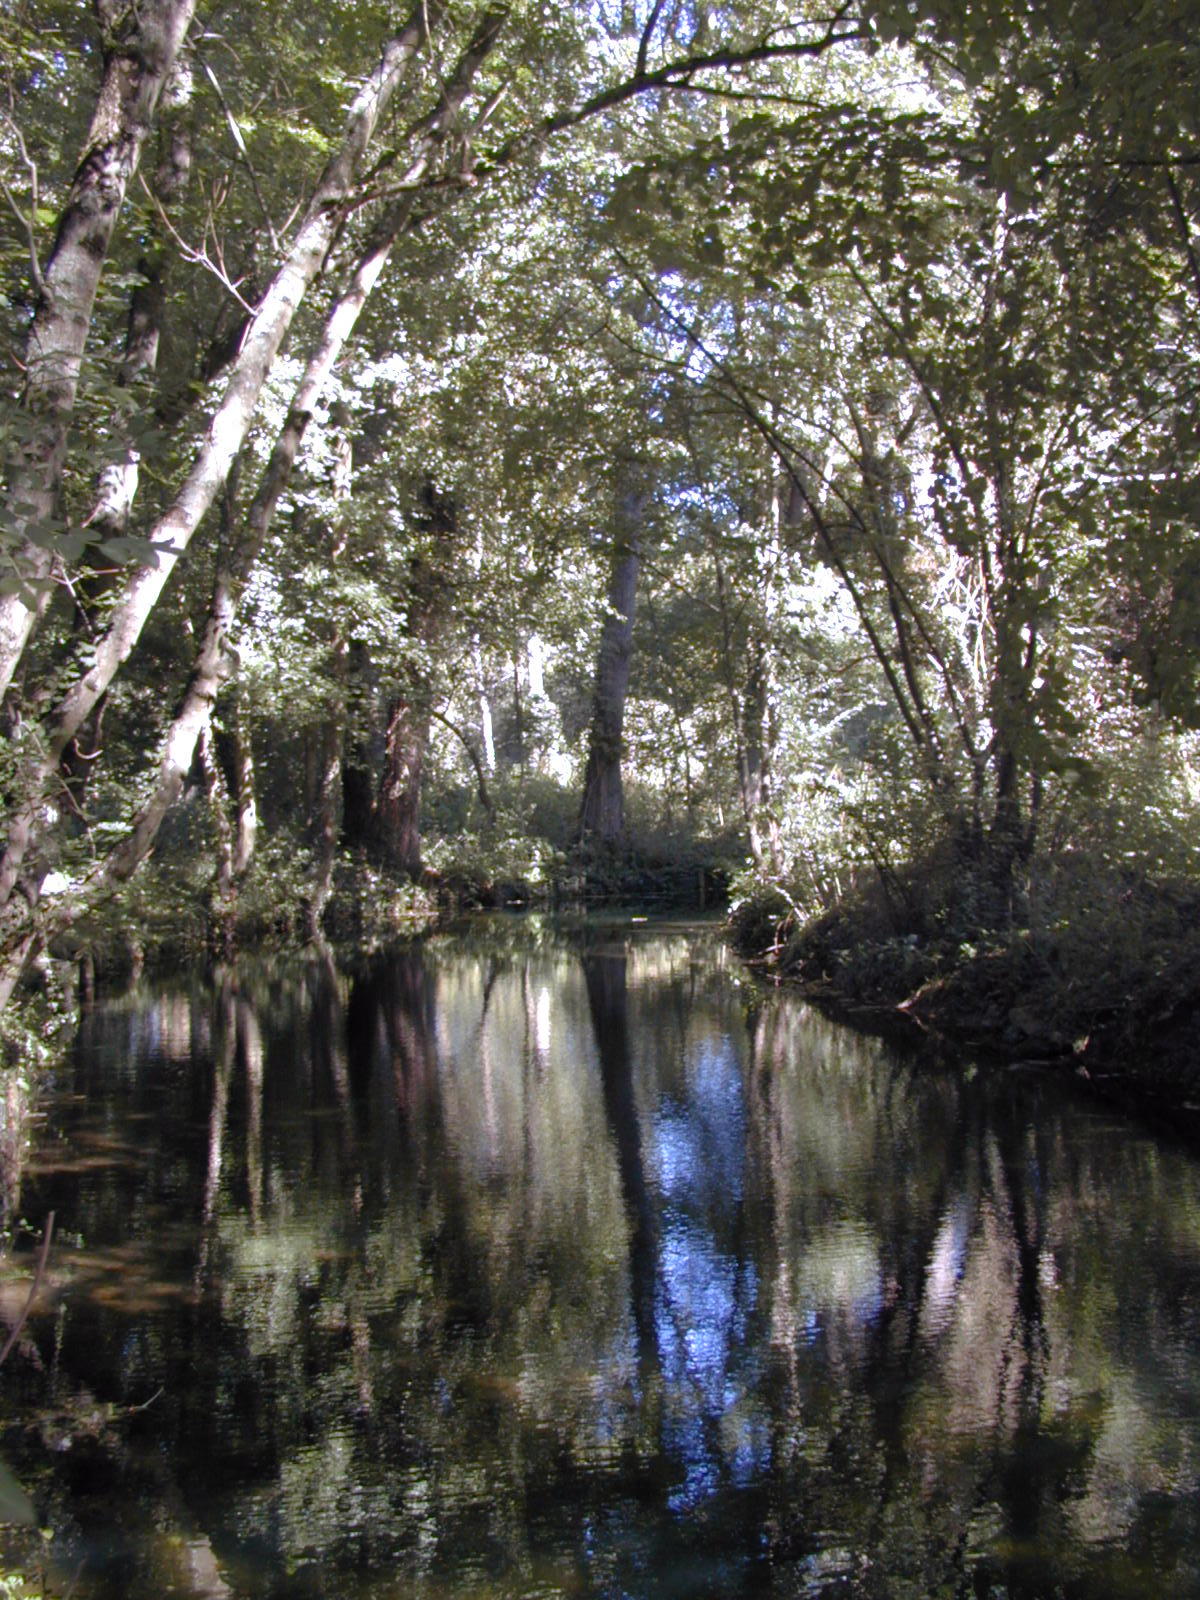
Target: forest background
(485, 453)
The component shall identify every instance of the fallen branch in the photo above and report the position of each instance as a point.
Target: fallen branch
(38, 1271)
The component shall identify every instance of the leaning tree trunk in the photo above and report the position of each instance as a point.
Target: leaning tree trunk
(117, 481)
(602, 813)
(227, 432)
(140, 46)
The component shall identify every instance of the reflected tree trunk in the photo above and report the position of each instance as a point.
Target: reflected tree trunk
(224, 1059)
(330, 1036)
(391, 1023)
(605, 975)
(250, 1038)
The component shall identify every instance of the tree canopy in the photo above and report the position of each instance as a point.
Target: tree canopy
(436, 446)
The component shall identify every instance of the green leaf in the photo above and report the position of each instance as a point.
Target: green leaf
(16, 1508)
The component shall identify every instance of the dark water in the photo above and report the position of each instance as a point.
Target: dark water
(548, 1263)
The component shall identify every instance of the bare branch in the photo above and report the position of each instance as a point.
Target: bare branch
(38, 1273)
(240, 142)
(26, 223)
(199, 256)
(639, 70)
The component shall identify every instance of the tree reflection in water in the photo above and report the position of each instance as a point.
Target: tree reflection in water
(538, 1262)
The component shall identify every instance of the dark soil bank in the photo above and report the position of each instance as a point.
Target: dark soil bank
(1122, 1014)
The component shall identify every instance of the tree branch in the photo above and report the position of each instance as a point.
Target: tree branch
(26, 222)
(38, 1273)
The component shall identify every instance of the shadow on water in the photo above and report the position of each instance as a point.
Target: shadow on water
(541, 1261)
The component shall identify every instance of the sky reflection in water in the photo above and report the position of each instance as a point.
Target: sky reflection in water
(549, 1263)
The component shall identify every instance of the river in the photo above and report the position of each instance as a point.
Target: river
(548, 1260)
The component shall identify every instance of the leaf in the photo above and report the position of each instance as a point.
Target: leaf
(127, 548)
(15, 1505)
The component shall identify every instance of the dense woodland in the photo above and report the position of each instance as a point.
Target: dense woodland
(494, 453)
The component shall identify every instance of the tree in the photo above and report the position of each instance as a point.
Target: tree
(915, 339)
(602, 810)
(139, 47)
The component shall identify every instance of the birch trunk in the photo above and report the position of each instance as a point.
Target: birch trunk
(213, 659)
(136, 65)
(118, 481)
(226, 434)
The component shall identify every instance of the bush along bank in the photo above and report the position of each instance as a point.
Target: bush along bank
(1100, 978)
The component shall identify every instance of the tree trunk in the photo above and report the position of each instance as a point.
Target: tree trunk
(398, 806)
(757, 753)
(398, 812)
(118, 482)
(602, 813)
(326, 819)
(139, 52)
(327, 815)
(228, 766)
(223, 907)
(245, 798)
(226, 434)
(363, 747)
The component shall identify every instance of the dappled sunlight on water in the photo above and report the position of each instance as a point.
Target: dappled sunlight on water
(550, 1262)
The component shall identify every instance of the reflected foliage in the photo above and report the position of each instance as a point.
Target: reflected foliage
(558, 1261)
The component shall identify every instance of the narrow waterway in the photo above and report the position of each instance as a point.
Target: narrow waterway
(562, 1261)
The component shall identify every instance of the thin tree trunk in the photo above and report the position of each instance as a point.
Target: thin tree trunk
(245, 798)
(233, 807)
(478, 761)
(327, 820)
(223, 908)
(140, 47)
(757, 753)
(330, 735)
(519, 751)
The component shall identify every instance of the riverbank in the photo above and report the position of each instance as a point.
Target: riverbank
(1113, 997)
(166, 920)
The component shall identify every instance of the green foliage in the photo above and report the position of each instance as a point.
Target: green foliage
(900, 331)
(16, 1586)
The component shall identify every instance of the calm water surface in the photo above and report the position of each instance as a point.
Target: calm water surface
(539, 1262)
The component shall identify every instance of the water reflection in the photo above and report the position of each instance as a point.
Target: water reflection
(561, 1263)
